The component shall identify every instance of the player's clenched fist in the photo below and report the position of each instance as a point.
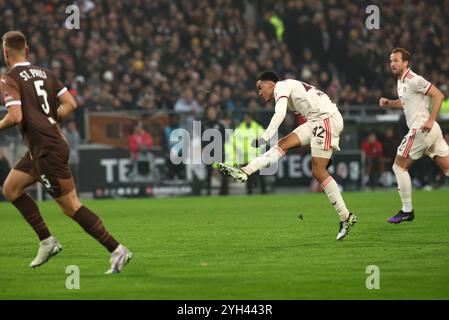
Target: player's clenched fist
(383, 102)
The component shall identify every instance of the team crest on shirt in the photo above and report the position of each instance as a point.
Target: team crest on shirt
(422, 83)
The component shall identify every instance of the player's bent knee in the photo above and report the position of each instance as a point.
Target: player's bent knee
(397, 169)
(9, 193)
(5, 193)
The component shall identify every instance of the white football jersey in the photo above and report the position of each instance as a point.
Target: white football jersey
(412, 90)
(305, 99)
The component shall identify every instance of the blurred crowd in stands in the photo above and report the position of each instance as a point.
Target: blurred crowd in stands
(188, 55)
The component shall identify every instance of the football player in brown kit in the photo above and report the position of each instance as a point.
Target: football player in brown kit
(38, 102)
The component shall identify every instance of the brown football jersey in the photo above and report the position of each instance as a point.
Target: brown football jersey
(37, 90)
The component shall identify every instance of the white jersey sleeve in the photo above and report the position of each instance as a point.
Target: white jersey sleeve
(412, 90)
(300, 98)
(282, 92)
(419, 84)
(283, 89)
(280, 110)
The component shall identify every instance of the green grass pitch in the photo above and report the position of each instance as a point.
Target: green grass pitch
(237, 247)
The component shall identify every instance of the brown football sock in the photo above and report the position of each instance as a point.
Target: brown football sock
(29, 210)
(93, 226)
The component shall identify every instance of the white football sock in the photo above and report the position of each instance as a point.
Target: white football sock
(267, 159)
(404, 187)
(333, 193)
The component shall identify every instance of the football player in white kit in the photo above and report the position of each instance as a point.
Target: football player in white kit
(321, 131)
(425, 136)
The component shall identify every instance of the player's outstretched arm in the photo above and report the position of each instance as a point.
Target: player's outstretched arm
(393, 104)
(280, 111)
(68, 105)
(13, 117)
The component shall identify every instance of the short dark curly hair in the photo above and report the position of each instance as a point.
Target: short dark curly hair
(268, 76)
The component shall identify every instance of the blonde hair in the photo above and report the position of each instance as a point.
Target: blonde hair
(15, 41)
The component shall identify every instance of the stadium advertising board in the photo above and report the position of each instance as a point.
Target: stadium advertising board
(109, 172)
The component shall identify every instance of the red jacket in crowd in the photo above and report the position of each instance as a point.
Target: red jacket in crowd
(372, 149)
(139, 139)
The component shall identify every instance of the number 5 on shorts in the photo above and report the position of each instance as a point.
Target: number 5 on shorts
(47, 183)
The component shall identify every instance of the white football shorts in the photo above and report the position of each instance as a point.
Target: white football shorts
(323, 135)
(417, 143)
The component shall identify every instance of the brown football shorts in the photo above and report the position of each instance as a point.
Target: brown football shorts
(51, 170)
